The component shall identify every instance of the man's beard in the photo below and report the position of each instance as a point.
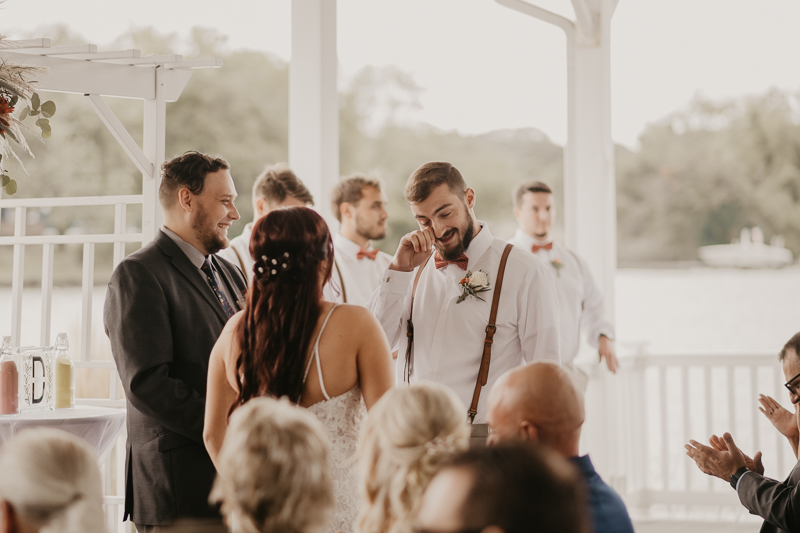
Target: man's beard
(206, 234)
(373, 233)
(467, 232)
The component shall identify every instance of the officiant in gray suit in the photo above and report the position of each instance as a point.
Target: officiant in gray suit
(166, 305)
(778, 503)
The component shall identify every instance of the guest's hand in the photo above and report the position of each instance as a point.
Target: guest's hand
(721, 464)
(753, 464)
(783, 420)
(414, 248)
(605, 349)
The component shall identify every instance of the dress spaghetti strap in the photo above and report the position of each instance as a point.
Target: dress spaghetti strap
(316, 356)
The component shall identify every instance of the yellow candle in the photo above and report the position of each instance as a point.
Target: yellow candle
(65, 396)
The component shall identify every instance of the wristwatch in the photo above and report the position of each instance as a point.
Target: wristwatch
(736, 475)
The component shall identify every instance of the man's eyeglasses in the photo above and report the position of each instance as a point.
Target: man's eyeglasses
(793, 385)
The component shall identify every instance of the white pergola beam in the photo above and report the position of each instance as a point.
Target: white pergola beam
(116, 54)
(28, 43)
(196, 63)
(101, 77)
(149, 60)
(314, 99)
(542, 14)
(58, 50)
(121, 134)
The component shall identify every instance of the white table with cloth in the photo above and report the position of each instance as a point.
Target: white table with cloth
(99, 426)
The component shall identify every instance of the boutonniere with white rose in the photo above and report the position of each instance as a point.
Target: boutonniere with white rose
(473, 283)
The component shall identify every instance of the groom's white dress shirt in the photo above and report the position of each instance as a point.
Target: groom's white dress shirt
(360, 276)
(579, 299)
(448, 337)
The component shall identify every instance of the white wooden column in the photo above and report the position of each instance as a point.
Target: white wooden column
(589, 186)
(314, 99)
(590, 208)
(153, 146)
(589, 194)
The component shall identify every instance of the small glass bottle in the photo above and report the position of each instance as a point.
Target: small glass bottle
(9, 380)
(65, 374)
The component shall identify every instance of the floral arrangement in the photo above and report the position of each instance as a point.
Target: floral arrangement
(17, 90)
(472, 284)
(558, 265)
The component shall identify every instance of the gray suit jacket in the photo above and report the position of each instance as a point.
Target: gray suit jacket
(777, 503)
(163, 319)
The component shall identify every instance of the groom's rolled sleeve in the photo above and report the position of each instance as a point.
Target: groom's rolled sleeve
(388, 303)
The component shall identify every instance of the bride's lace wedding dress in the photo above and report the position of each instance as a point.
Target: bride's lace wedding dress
(342, 417)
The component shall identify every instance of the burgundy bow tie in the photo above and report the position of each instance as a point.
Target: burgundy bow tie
(461, 262)
(371, 254)
(536, 247)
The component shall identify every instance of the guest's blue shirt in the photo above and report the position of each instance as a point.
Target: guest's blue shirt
(608, 512)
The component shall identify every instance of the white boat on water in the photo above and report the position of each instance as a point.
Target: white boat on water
(749, 252)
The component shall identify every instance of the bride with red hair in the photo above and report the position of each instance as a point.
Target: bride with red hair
(288, 341)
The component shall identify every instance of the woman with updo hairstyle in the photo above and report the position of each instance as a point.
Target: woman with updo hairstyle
(288, 342)
(50, 483)
(411, 432)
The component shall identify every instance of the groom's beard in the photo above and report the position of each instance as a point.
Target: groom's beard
(467, 233)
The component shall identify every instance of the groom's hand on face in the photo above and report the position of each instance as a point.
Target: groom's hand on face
(414, 248)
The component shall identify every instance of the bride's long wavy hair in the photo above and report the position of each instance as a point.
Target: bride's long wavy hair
(293, 254)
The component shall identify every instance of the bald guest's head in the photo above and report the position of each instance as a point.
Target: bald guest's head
(537, 402)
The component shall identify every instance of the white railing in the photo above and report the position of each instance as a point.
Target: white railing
(113, 468)
(663, 401)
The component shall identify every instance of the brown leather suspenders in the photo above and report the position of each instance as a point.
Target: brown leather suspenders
(486, 358)
(491, 328)
(408, 368)
(341, 280)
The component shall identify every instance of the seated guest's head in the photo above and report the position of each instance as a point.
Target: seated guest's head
(49, 482)
(409, 434)
(273, 473)
(197, 195)
(537, 402)
(508, 488)
(276, 187)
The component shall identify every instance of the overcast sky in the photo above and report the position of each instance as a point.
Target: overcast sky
(483, 66)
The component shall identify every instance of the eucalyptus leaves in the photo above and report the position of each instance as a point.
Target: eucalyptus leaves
(36, 108)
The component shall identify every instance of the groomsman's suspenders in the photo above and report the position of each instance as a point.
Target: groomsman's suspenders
(486, 358)
(483, 374)
(341, 280)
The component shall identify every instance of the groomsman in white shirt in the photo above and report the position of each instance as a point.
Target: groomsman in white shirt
(449, 331)
(359, 205)
(276, 187)
(579, 299)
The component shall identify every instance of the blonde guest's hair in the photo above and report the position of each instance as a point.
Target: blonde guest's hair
(273, 474)
(409, 434)
(52, 481)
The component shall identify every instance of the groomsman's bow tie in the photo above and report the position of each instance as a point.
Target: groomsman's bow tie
(536, 247)
(371, 254)
(461, 262)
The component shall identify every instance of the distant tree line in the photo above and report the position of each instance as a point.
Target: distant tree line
(698, 178)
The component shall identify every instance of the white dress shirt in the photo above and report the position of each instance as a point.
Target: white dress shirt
(579, 299)
(360, 276)
(448, 337)
(238, 252)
